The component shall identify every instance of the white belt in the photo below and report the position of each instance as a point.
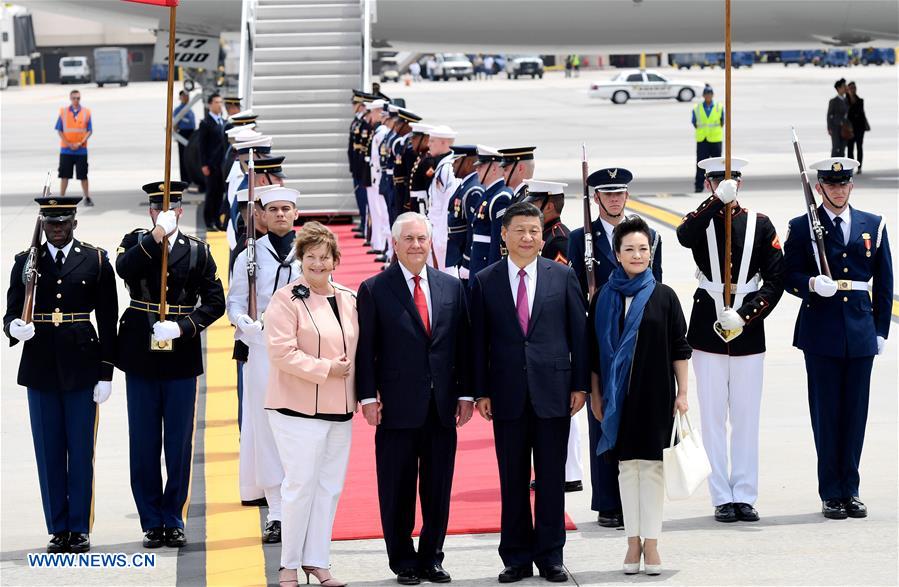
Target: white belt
(480, 238)
(847, 285)
(735, 289)
(389, 172)
(420, 194)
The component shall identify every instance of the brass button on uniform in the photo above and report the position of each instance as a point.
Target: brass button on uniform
(58, 281)
(844, 255)
(845, 299)
(845, 269)
(58, 296)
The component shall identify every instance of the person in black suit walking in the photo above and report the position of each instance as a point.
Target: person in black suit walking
(859, 121)
(529, 369)
(212, 156)
(837, 111)
(416, 393)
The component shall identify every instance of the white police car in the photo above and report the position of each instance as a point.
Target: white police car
(637, 84)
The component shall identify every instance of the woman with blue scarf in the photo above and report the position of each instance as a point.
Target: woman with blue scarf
(639, 350)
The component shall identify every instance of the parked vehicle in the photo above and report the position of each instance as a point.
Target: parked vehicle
(111, 66)
(454, 65)
(835, 58)
(74, 70)
(738, 59)
(688, 60)
(874, 56)
(531, 65)
(644, 85)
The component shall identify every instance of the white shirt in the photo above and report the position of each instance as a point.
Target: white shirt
(65, 250)
(608, 228)
(846, 215)
(530, 281)
(172, 238)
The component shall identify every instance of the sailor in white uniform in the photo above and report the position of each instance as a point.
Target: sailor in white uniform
(443, 185)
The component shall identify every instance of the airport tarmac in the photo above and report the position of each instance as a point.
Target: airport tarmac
(792, 544)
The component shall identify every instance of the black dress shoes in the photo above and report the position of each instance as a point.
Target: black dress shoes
(175, 538)
(573, 486)
(381, 259)
(59, 542)
(515, 574)
(408, 577)
(272, 533)
(855, 508)
(746, 513)
(374, 252)
(554, 574)
(79, 542)
(834, 509)
(154, 538)
(725, 513)
(358, 234)
(261, 502)
(357, 228)
(435, 574)
(610, 519)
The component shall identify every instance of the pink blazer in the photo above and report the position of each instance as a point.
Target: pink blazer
(304, 337)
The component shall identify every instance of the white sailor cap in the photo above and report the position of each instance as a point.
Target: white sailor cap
(243, 195)
(393, 108)
(442, 132)
(243, 134)
(714, 166)
(236, 130)
(421, 128)
(539, 187)
(278, 194)
(260, 141)
(244, 114)
(376, 105)
(835, 169)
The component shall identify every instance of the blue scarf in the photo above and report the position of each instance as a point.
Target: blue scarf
(616, 348)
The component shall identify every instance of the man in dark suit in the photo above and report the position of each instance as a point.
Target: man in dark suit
(412, 381)
(837, 113)
(529, 368)
(212, 156)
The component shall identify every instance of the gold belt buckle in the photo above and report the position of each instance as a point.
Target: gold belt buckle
(56, 318)
(844, 284)
(160, 345)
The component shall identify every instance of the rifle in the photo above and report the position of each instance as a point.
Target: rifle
(588, 227)
(251, 237)
(29, 273)
(812, 207)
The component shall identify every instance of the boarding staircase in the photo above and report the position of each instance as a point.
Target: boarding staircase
(306, 57)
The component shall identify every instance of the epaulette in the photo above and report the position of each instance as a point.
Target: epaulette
(139, 231)
(197, 239)
(25, 252)
(90, 246)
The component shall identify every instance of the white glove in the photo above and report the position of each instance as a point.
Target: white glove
(21, 330)
(824, 286)
(729, 319)
(881, 342)
(168, 220)
(727, 191)
(102, 391)
(251, 329)
(167, 330)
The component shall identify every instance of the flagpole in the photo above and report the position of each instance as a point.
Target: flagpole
(166, 196)
(728, 210)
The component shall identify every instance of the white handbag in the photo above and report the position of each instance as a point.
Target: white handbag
(685, 464)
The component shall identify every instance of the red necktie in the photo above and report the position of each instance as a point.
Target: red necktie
(418, 296)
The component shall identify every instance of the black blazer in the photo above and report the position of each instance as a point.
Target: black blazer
(71, 356)
(212, 142)
(396, 357)
(548, 362)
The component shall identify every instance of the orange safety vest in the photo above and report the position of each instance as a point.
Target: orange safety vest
(74, 129)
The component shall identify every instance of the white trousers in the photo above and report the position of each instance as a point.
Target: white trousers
(380, 220)
(574, 464)
(439, 236)
(731, 388)
(642, 489)
(315, 454)
(260, 471)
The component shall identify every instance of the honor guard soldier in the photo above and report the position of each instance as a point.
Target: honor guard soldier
(440, 190)
(161, 378)
(377, 205)
(464, 162)
(232, 105)
(276, 266)
(490, 176)
(549, 196)
(610, 192)
(422, 169)
(356, 158)
(66, 365)
(403, 129)
(840, 327)
(729, 370)
(388, 162)
(518, 165)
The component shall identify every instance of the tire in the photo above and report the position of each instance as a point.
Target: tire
(99, 84)
(508, 75)
(123, 84)
(620, 97)
(540, 75)
(533, 76)
(445, 77)
(685, 95)
(515, 76)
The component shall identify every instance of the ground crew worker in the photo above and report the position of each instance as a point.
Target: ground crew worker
(162, 384)
(708, 120)
(66, 366)
(74, 126)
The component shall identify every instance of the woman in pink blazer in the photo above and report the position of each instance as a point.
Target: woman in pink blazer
(312, 328)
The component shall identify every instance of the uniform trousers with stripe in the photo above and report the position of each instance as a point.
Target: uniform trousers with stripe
(315, 454)
(361, 201)
(64, 430)
(730, 389)
(161, 418)
(380, 221)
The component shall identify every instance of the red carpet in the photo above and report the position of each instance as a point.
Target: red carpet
(475, 498)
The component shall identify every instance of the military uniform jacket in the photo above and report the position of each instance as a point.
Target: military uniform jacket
(441, 189)
(352, 150)
(500, 199)
(419, 180)
(72, 355)
(366, 134)
(193, 284)
(766, 261)
(848, 323)
(404, 157)
(604, 259)
(374, 154)
(482, 228)
(458, 244)
(555, 241)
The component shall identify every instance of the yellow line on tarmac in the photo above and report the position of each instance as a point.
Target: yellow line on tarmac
(233, 537)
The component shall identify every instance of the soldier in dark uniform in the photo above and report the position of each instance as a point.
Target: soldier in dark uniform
(840, 328)
(358, 128)
(162, 384)
(464, 168)
(399, 189)
(410, 150)
(66, 366)
(490, 176)
(610, 192)
(518, 165)
(422, 169)
(729, 370)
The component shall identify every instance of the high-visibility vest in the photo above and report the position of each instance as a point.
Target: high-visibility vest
(74, 129)
(709, 127)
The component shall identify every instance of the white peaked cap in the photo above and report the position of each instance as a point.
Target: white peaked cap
(244, 134)
(442, 132)
(244, 194)
(261, 141)
(376, 104)
(716, 164)
(236, 130)
(243, 113)
(279, 194)
(539, 186)
(421, 128)
(487, 150)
